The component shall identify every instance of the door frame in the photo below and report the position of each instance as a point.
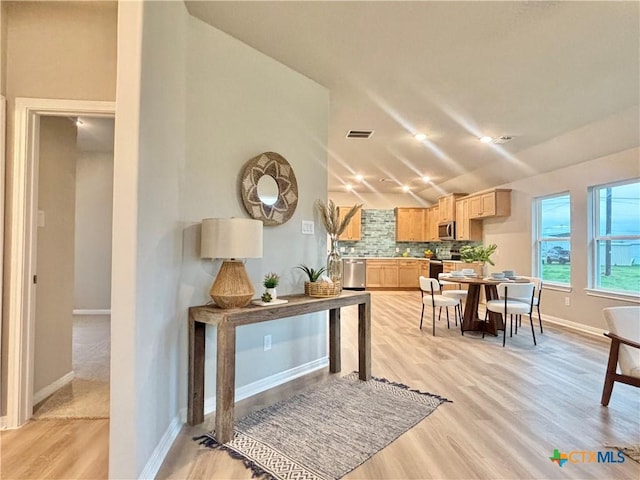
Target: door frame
(21, 246)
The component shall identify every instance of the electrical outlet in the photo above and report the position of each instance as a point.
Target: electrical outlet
(353, 249)
(267, 342)
(408, 250)
(567, 301)
(397, 249)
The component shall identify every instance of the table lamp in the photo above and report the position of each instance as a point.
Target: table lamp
(231, 239)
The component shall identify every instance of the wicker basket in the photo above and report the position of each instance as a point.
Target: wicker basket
(322, 289)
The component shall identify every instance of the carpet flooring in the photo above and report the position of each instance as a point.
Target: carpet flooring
(350, 419)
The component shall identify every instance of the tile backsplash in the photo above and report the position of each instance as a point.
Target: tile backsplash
(378, 238)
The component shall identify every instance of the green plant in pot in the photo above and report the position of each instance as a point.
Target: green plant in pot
(478, 253)
(313, 274)
(270, 282)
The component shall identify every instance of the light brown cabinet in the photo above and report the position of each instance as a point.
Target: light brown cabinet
(466, 228)
(410, 224)
(447, 207)
(382, 273)
(353, 231)
(495, 203)
(424, 269)
(431, 230)
(408, 273)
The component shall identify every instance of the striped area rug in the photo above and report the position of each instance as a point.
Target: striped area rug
(326, 432)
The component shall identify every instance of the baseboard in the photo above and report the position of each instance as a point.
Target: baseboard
(89, 311)
(52, 388)
(154, 463)
(265, 384)
(3, 423)
(581, 327)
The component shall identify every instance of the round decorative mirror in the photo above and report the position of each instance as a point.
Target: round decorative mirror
(269, 188)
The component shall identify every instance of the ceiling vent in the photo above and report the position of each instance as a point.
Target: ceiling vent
(359, 133)
(503, 139)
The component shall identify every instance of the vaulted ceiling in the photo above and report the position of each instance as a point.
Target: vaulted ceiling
(455, 71)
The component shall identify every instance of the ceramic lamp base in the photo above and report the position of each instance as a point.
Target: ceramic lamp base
(232, 287)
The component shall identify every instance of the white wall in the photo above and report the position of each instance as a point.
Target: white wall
(378, 201)
(94, 199)
(177, 160)
(514, 235)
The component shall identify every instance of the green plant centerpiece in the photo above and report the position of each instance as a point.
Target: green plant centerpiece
(270, 282)
(479, 253)
(335, 226)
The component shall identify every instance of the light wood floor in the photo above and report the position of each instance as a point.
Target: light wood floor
(512, 407)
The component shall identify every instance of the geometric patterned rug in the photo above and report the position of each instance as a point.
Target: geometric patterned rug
(327, 431)
(631, 451)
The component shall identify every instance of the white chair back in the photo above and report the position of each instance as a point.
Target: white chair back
(429, 284)
(522, 292)
(625, 323)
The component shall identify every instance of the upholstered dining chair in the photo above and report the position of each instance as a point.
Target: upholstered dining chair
(535, 301)
(429, 287)
(513, 299)
(458, 293)
(624, 331)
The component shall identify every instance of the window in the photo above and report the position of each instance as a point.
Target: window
(553, 238)
(615, 245)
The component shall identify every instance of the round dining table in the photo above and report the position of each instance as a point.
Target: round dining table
(470, 319)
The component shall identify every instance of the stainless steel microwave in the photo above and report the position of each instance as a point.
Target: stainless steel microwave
(447, 231)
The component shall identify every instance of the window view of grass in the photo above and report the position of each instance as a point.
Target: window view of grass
(625, 278)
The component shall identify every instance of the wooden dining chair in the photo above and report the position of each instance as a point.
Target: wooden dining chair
(429, 287)
(624, 331)
(513, 299)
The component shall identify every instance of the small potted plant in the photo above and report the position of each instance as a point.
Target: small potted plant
(319, 285)
(478, 254)
(270, 282)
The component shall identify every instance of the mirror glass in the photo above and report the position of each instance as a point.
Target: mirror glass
(268, 190)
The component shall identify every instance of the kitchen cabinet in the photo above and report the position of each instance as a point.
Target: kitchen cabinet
(353, 232)
(410, 224)
(447, 207)
(408, 273)
(466, 228)
(495, 203)
(424, 269)
(382, 273)
(432, 220)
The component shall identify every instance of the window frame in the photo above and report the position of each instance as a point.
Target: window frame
(539, 240)
(595, 238)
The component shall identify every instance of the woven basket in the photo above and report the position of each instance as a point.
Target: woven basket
(322, 289)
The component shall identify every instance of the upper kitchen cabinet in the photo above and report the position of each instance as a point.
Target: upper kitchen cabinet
(447, 207)
(410, 224)
(466, 228)
(353, 231)
(494, 203)
(432, 220)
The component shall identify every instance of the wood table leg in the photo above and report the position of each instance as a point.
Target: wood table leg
(364, 340)
(195, 402)
(470, 317)
(225, 382)
(335, 361)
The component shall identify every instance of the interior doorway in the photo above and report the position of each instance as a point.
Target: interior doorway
(22, 244)
(72, 313)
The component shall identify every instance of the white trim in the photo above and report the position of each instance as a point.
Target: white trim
(52, 387)
(265, 384)
(21, 243)
(581, 327)
(3, 422)
(159, 453)
(554, 286)
(89, 311)
(612, 295)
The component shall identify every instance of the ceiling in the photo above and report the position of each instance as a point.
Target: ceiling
(453, 70)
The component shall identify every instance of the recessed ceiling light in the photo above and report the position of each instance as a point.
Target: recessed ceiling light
(419, 136)
(359, 177)
(486, 139)
(405, 188)
(426, 179)
(348, 186)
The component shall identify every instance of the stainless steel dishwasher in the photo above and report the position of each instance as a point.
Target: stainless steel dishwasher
(354, 273)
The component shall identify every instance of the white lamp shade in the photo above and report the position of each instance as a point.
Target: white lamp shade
(231, 238)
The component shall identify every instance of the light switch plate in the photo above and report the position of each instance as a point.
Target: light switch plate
(307, 227)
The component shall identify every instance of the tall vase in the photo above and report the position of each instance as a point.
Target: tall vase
(334, 262)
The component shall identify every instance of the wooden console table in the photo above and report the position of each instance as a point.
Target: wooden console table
(227, 321)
